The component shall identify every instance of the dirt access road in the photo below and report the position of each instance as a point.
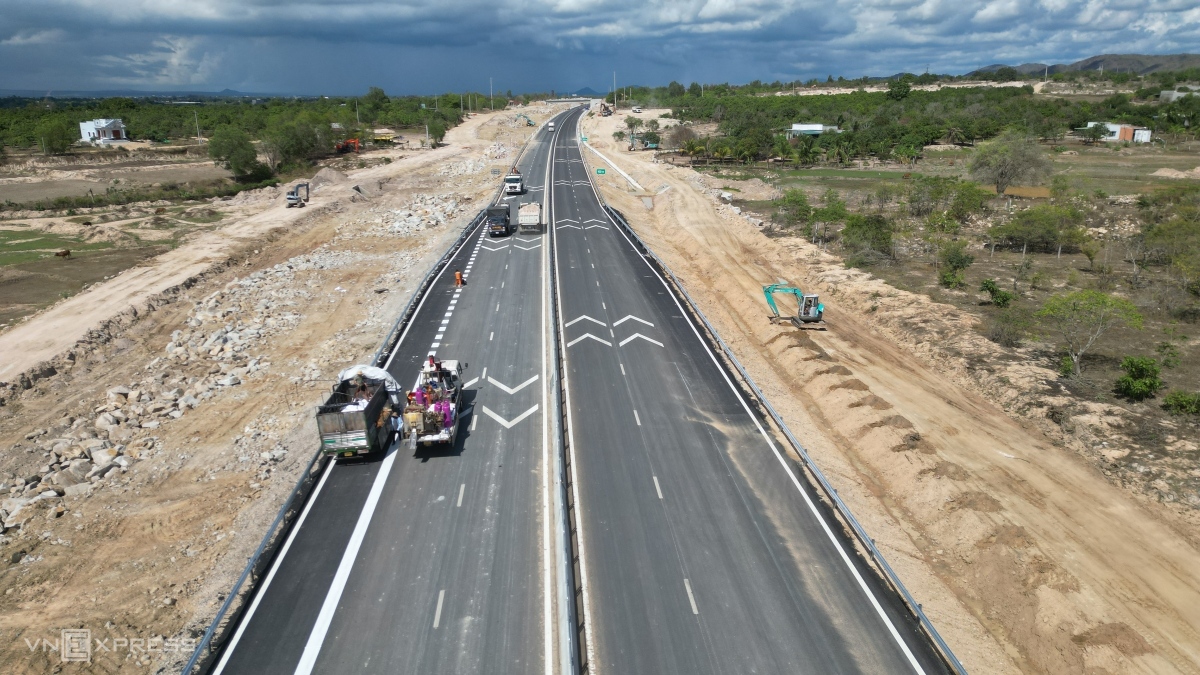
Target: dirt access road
(1024, 556)
(55, 330)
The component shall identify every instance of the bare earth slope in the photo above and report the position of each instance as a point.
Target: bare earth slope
(1026, 558)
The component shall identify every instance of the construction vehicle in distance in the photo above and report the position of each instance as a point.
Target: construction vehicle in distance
(356, 419)
(432, 415)
(528, 122)
(514, 183)
(294, 198)
(810, 309)
(529, 218)
(498, 223)
(349, 145)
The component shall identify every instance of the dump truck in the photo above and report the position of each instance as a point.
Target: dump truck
(431, 415)
(529, 218)
(357, 418)
(514, 183)
(498, 223)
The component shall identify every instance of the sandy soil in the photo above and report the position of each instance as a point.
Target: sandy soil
(1020, 551)
(150, 550)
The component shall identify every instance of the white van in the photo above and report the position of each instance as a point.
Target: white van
(550, 127)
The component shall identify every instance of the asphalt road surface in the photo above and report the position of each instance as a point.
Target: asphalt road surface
(702, 548)
(702, 553)
(434, 561)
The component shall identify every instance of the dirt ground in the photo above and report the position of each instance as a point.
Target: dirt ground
(208, 441)
(1021, 552)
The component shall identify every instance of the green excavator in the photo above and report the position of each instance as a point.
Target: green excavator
(528, 122)
(810, 309)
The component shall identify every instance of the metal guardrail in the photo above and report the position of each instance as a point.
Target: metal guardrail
(831, 493)
(299, 495)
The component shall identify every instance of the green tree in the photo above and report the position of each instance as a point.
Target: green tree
(898, 90)
(675, 90)
(1010, 159)
(1094, 134)
(1141, 379)
(1045, 227)
(694, 89)
(437, 131)
(618, 135)
(56, 134)
(233, 148)
(1082, 317)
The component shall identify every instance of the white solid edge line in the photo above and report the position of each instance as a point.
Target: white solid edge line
(788, 469)
(593, 667)
(312, 649)
(262, 590)
(547, 578)
(437, 615)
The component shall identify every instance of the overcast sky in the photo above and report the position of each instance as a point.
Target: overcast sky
(425, 46)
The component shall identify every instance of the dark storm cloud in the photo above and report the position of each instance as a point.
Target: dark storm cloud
(343, 46)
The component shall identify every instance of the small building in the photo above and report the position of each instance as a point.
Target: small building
(811, 129)
(1123, 132)
(103, 132)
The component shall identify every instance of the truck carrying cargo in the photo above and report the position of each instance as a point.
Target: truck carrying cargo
(498, 223)
(529, 218)
(431, 415)
(356, 419)
(514, 183)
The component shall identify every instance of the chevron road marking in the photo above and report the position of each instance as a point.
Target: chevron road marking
(589, 335)
(581, 318)
(636, 336)
(515, 389)
(527, 249)
(506, 424)
(494, 249)
(618, 323)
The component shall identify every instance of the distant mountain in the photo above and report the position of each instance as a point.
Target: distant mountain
(588, 92)
(1138, 64)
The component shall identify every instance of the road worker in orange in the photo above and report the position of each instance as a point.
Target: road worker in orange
(458, 278)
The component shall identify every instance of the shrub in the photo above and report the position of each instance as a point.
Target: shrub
(1000, 297)
(1182, 403)
(1009, 327)
(1141, 379)
(872, 233)
(951, 278)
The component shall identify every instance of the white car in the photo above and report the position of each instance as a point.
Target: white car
(637, 110)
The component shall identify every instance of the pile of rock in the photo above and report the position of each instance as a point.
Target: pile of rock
(424, 211)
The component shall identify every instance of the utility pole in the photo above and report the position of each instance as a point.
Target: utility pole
(196, 114)
(356, 117)
(614, 90)
(491, 96)
(460, 108)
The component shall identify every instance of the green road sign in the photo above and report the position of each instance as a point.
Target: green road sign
(600, 172)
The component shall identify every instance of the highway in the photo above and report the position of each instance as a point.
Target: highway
(702, 552)
(702, 549)
(433, 561)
